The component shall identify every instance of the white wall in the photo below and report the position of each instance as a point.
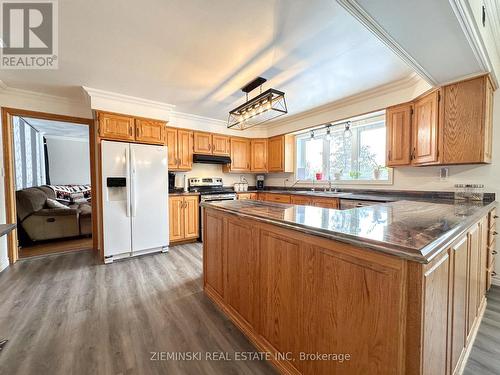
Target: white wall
(69, 161)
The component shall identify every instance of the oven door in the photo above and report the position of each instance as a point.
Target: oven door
(229, 197)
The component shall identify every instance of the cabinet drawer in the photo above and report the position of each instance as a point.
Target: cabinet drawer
(281, 198)
(244, 196)
(297, 199)
(491, 253)
(326, 202)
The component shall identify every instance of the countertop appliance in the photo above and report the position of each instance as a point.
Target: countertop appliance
(210, 189)
(260, 181)
(171, 182)
(135, 199)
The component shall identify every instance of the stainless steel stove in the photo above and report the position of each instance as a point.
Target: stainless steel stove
(210, 189)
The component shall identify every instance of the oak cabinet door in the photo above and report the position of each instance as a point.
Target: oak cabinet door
(243, 196)
(281, 198)
(325, 202)
(149, 131)
(259, 155)
(275, 157)
(459, 301)
(171, 140)
(220, 145)
(185, 149)
(435, 319)
(213, 250)
(488, 123)
(241, 287)
(463, 121)
(426, 129)
(240, 154)
(176, 218)
(202, 143)
(191, 217)
(398, 120)
(113, 126)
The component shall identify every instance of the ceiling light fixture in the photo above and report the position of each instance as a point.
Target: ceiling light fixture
(264, 107)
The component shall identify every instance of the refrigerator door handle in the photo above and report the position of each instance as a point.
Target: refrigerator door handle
(127, 161)
(132, 184)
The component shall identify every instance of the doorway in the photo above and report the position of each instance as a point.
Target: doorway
(49, 181)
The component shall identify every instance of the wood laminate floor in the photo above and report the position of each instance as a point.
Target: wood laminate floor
(58, 246)
(484, 358)
(69, 314)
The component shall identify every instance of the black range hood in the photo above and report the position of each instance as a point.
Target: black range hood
(211, 159)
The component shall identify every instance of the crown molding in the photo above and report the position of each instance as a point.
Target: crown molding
(366, 20)
(405, 83)
(465, 17)
(192, 117)
(126, 99)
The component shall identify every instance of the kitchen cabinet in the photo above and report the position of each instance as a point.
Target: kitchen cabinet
(425, 129)
(210, 144)
(221, 145)
(243, 196)
(398, 122)
(258, 157)
(180, 149)
(280, 153)
(240, 155)
(444, 124)
(467, 121)
(116, 127)
(325, 202)
(491, 248)
(474, 275)
(149, 131)
(280, 198)
(300, 199)
(183, 217)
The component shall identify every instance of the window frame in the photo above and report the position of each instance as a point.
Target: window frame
(321, 132)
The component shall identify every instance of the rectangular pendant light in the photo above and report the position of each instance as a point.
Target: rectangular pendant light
(264, 107)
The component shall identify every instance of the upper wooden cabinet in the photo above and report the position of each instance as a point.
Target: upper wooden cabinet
(127, 128)
(425, 129)
(467, 121)
(210, 144)
(280, 153)
(220, 145)
(450, 125)
(240, 155)
(258, 161)
(114, 126)
(398, 122)
(149, 131)
(180, 149)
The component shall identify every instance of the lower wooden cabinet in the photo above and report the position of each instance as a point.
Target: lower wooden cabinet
(252, 196)
(280, 198)
(183, 217)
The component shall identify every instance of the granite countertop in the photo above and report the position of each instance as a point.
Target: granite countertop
(181, 192)
(410, 229)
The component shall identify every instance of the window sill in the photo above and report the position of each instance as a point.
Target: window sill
(344, 182)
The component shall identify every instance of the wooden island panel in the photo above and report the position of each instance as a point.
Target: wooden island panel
(293, 292)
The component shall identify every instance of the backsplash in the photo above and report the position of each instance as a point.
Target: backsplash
(213, 170)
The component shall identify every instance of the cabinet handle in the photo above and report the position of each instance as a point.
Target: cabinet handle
(389, 155)
(495, 217)
(412, 155)
(493, 274)
(130, 130)
(495, 233)
(494, 252)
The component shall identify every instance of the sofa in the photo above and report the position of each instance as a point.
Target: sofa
(40, 222)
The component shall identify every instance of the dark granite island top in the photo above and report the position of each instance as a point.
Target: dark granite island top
(413, 230)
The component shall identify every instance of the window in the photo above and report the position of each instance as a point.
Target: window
(357, 154)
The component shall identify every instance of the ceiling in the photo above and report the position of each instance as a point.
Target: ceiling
(59, 129)
(197, 57)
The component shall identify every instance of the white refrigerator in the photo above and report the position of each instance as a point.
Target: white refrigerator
(135, 199)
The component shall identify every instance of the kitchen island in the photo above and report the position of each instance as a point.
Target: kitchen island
(394, 288)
